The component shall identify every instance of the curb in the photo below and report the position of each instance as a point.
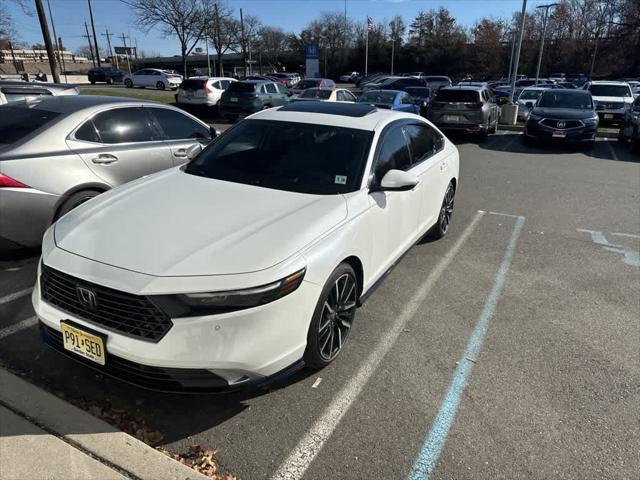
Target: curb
(520, 128)
(90, 434)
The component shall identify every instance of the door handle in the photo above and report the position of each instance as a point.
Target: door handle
(104, 159)
(180, 153)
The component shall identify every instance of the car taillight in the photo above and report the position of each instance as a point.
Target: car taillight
(207, 88)
(8, 182)
(477, 105)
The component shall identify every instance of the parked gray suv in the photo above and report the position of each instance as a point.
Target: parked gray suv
(471, 109)
(250, 96)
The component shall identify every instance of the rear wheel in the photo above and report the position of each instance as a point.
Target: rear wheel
(76, 200)
(332, 318)
(441, 228)
(128, 83)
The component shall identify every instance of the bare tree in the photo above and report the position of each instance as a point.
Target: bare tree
(223, 28)
(7, 29)
(272, 43)
(176, 18)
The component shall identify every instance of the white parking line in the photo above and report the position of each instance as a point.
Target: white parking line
(15, 328)
(630, 235)
(613, 152)
(14, 296)
(299, 460)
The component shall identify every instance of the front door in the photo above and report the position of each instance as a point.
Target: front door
(120, 145)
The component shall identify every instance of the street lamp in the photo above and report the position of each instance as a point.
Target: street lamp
(598, 31)
(544, 32)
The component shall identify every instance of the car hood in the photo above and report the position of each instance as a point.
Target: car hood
(177, 224)
(564, 113)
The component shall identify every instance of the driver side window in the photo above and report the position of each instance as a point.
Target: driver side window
(393, 154)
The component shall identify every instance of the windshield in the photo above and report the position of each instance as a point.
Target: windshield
(555, 99)
(377, 97)
(530, 94)
(296, 157)
(304, 84)
(18, 122)
(419, 92)
(316, 93)
(610, 90)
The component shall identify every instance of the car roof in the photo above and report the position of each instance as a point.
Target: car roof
(73, 103)
(472, 88)
(349, 115)
(535, 88)
(22, 83)
(607, 82)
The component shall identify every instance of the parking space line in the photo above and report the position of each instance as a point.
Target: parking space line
(630, 235)
(299, 460)
(14, 296)
(505, 214)
(612, 150)
(428, 457)
(16, 327)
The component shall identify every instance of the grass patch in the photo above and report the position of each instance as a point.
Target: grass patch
(155, 95)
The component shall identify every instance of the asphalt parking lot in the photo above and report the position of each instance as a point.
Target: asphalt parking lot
(507, 350)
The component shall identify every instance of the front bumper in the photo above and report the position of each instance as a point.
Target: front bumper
(18, 204)
(213, 353)
(535, 130)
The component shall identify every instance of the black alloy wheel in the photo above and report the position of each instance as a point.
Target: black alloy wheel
(333, 317)
(441, 228)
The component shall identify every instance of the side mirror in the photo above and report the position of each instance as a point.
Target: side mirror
(193, 151)
(503, 100)
(529, 104)
(289, 93)
(214, 132)
(398, 181)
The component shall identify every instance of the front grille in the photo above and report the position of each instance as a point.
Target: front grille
(132, 315)
(553, 123)
(154, 378)
(609, 105)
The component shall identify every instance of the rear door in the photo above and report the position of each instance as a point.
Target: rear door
(180, 132)
(120, 145)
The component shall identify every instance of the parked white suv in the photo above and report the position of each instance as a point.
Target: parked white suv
(612, 99)
(153, 77)
(251, 259)
(204, 91)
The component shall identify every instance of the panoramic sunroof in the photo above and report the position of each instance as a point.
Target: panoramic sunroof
(331, 108)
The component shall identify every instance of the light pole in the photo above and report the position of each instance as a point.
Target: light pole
(517, 58)
(598, 30)
(513, 47)
(544, 32)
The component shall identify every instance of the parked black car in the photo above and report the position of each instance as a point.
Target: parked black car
(562, 115)
(630, 129)
(108, 75)
(421, 95)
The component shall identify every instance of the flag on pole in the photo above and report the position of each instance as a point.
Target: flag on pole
(369, 24)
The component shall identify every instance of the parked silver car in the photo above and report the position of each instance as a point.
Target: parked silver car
(58, 152)
(468, 108)
(18, 90)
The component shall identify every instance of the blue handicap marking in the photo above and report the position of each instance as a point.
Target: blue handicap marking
(629, 255)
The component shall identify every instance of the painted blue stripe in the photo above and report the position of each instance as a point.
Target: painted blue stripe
(428, 457)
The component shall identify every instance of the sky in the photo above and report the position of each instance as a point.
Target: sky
(291, 15)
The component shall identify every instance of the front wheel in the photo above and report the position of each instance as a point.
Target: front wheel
(76, 200)
(441, 228)
(128, 83)
(160, 86)
(332, 318)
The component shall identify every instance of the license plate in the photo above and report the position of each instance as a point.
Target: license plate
(234, 99)
(558, 134)
(453, 118)
(83, 343)
(608, 116)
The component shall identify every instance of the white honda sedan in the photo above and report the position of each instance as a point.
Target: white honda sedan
(250, 260)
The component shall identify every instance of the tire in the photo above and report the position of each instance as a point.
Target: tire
(494, 128)
(527, 141)
(441, 228)
(332, 318)
(76, 200)
(109, 81)
(160, 86)
(93, 82)
(128, 83)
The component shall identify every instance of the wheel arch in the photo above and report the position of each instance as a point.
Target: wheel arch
(357, 266)
(100, 187)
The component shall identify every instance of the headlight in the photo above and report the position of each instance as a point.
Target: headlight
(591, 121)
(534, 118)
(245, 298)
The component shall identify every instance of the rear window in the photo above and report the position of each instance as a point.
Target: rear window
(378, 96)
(18, 122)
(417, 91)
(241, 87)
(193, 84)
(316, 93)
(458, 96)
(304, 84)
